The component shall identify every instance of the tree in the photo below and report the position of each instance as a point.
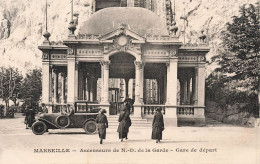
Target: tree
(31, 87)
(10, 85)
(239, 59)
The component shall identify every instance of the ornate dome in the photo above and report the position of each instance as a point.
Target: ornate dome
(138, 20)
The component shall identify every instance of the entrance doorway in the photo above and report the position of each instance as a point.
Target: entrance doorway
(113, 100)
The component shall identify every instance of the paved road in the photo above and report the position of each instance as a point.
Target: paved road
(206, 145)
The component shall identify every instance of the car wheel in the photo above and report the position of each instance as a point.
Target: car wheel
(63, 121)
(39, 127)
(90, 127)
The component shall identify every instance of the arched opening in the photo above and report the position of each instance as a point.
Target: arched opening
(121, 80)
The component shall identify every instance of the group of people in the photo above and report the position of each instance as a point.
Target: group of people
(125, 123)
(29, 116)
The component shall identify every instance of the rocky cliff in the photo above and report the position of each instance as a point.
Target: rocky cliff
(23, 23)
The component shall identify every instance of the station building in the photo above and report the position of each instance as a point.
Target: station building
(128, 49)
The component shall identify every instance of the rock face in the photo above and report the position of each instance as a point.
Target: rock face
(231, 114)
(23, 23)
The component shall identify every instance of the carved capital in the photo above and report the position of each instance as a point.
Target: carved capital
(45, 55)
(173, 53)
(70, 51)
(63, 74)
(138, 64)
(105, 64)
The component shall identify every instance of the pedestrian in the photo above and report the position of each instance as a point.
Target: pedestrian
(158, 125)
(124, 121)
(26, 113)
(102, 124)
(44, 108)
(31, 117)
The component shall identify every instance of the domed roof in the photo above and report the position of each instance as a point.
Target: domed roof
(138, 20)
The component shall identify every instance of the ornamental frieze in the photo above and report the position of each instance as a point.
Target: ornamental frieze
(122, 47)
(58, 56)
(188, 58)
(89, 52)
(156, 53)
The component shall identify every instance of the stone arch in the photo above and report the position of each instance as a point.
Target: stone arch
(114, 52)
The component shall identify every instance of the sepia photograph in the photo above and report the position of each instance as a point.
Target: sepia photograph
(129, 82)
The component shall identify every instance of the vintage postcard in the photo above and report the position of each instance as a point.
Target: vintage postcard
(129, 82)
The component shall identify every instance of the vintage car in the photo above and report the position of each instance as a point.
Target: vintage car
(82, 116)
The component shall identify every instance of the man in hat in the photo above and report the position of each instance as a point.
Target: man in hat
(102, 124)
(158, 125)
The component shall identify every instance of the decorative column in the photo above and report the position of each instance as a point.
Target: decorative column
(126, 87)
(138, 103)
(172, 82)
(46, 72)
(171, 116)
(72, 79)
(80, 84)
(105, 65)
(46, 84)
(63, 75)
(199, 116)
(195, 87)
(142, 84)
(185, 90)
(55, 85)
(122, 90)
(188, 91)
(201, 86)
(90, 89)
(138, 67)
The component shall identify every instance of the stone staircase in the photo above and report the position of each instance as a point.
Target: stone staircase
(211, 121)
(136, 121)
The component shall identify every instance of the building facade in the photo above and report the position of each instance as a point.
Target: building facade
(126, 50)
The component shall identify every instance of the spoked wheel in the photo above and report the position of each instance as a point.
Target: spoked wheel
(39, 127)
(90, 127)
(63, 121)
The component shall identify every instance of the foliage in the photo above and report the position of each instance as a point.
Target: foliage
(10, 84)
(31, 87)
(239, 59)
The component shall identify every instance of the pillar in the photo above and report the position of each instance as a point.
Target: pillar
(171, 116)
(195, 87)
(185, 91)
(55, 85)
(46, 79)
(142, 84)
(199, 116)
(122, 90)
(138, 65)
(172, 82)
(46, 84)
(105, 68)
(138, 103)
(188, 90)
(63, 99)
(201, 86)
(72, 80)
(126, 87)
(80, 84)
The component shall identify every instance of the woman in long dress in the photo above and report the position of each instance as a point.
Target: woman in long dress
(102, 124)
(124, 121)
(158, 125)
